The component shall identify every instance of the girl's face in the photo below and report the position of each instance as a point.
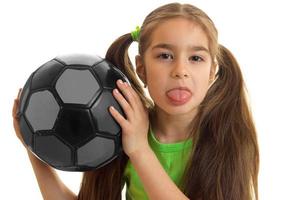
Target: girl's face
(178, 56)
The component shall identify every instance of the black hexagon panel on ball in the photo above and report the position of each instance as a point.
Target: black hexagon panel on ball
(64, 116)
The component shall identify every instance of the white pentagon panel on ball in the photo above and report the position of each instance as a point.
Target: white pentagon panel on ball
(76, 86)
(88, 154)
(47, 107)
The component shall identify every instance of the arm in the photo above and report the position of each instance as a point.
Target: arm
(156, 181)
(49, 182)
(50, 185)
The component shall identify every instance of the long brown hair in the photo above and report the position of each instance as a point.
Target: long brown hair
(224, 162)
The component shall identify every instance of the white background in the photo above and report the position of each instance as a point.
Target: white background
(263, 35)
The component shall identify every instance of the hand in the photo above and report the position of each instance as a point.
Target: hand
(16, 118)
(135, 127)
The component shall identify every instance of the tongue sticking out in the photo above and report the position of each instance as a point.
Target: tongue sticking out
(178, 95)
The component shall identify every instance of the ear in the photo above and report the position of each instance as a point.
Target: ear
(140, 68)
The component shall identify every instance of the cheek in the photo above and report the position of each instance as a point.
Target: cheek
(156, 78)
(155, 84)
(156, 88)
(201, 87)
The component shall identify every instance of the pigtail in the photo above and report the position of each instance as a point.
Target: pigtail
(225, 158)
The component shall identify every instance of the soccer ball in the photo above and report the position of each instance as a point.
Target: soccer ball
(64, 116)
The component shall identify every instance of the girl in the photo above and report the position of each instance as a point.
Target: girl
(196, 140)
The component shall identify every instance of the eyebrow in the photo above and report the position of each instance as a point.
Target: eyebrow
(170, 47)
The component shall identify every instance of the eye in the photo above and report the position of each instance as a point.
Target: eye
(165, 56)
(197, 58)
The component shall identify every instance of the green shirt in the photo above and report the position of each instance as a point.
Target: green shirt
(173, 158)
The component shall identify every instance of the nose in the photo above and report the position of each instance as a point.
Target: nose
(180, 69)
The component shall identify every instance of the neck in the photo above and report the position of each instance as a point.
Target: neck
(171, 128)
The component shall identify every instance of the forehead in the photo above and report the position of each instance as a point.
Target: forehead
(179, 32)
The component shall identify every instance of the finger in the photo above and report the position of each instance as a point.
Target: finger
(19, 93)
(137, 98)
(125, 89)
(118, 117)
(123, 102)
(15, 109)
(18, 131)
(16, 126)
(133, 92)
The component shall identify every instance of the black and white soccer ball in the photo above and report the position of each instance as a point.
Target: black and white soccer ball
(64, 116)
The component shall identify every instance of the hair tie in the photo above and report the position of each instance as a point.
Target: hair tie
(136, 34)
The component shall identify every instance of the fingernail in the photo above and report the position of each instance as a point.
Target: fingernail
(120, 81)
